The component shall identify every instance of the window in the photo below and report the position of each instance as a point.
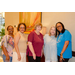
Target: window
(2, 28)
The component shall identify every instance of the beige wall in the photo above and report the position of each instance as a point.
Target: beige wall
(67, 18)
(11, 18)
(48, 19)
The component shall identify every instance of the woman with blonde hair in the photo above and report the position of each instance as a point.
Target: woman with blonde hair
(50, 47)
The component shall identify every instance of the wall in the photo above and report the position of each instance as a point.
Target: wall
(11, 18)
(67, 18)
(48, 19)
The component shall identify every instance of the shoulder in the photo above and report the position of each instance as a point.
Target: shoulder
(41, 34)
(17, 34)
(67, 32)
(6, 36)
(32, 32)
(46, 35)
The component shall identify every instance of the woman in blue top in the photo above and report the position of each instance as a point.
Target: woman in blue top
(64, 43)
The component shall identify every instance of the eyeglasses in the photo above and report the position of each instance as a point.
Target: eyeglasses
(58, 26)
(22, 27)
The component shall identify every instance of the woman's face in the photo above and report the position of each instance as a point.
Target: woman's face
(10, 30)
(53, 31)
(22, 28)
(59, 27)
(38, 28)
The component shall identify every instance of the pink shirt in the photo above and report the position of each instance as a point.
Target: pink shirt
(37, 42)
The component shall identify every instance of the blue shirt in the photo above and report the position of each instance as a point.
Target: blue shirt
(66, 36)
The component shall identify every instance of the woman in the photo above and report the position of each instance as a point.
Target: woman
(19, 52)
(64, 43)
(35, 44)
(7, 44)
(50, 47)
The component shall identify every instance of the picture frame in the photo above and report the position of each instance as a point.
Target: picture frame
(30, 19)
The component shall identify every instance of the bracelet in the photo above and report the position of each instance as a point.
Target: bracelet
(61, 54)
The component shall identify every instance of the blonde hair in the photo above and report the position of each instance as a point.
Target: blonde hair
(38, 24)
(50, 30)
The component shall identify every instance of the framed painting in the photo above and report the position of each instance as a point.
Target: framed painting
(30, 19)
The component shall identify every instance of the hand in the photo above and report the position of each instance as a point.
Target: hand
(61, 58)
(19, 57)
(7, 58)
(34, 56)
(42, 53)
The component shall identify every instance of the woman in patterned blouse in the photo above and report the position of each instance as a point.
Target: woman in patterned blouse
(7, 44)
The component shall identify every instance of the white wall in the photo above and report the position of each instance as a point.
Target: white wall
(67, 18)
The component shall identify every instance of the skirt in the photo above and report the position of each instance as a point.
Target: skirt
(15, 57)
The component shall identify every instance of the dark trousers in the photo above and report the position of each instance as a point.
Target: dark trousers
(65, 60)
(30, 59)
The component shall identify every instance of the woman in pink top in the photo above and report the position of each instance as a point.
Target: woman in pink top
(35, 44)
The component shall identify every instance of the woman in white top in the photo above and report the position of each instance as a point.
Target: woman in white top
(50, 47)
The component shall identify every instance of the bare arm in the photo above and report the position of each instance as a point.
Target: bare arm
(5, 52)
(31, 49)
(16, 40)
(63, 50)
(65, 47)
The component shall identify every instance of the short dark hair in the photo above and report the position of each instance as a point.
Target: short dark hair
(63, 30)
(20, 25)
(9, 26)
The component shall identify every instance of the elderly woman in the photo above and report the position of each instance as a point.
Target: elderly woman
(50, 45)
(7, 44)
(20, 43)
(35, 44)
(64, 43)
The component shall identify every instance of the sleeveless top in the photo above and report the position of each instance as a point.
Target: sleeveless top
(22, 44)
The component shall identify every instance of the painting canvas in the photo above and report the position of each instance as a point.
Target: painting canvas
(30, 19)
